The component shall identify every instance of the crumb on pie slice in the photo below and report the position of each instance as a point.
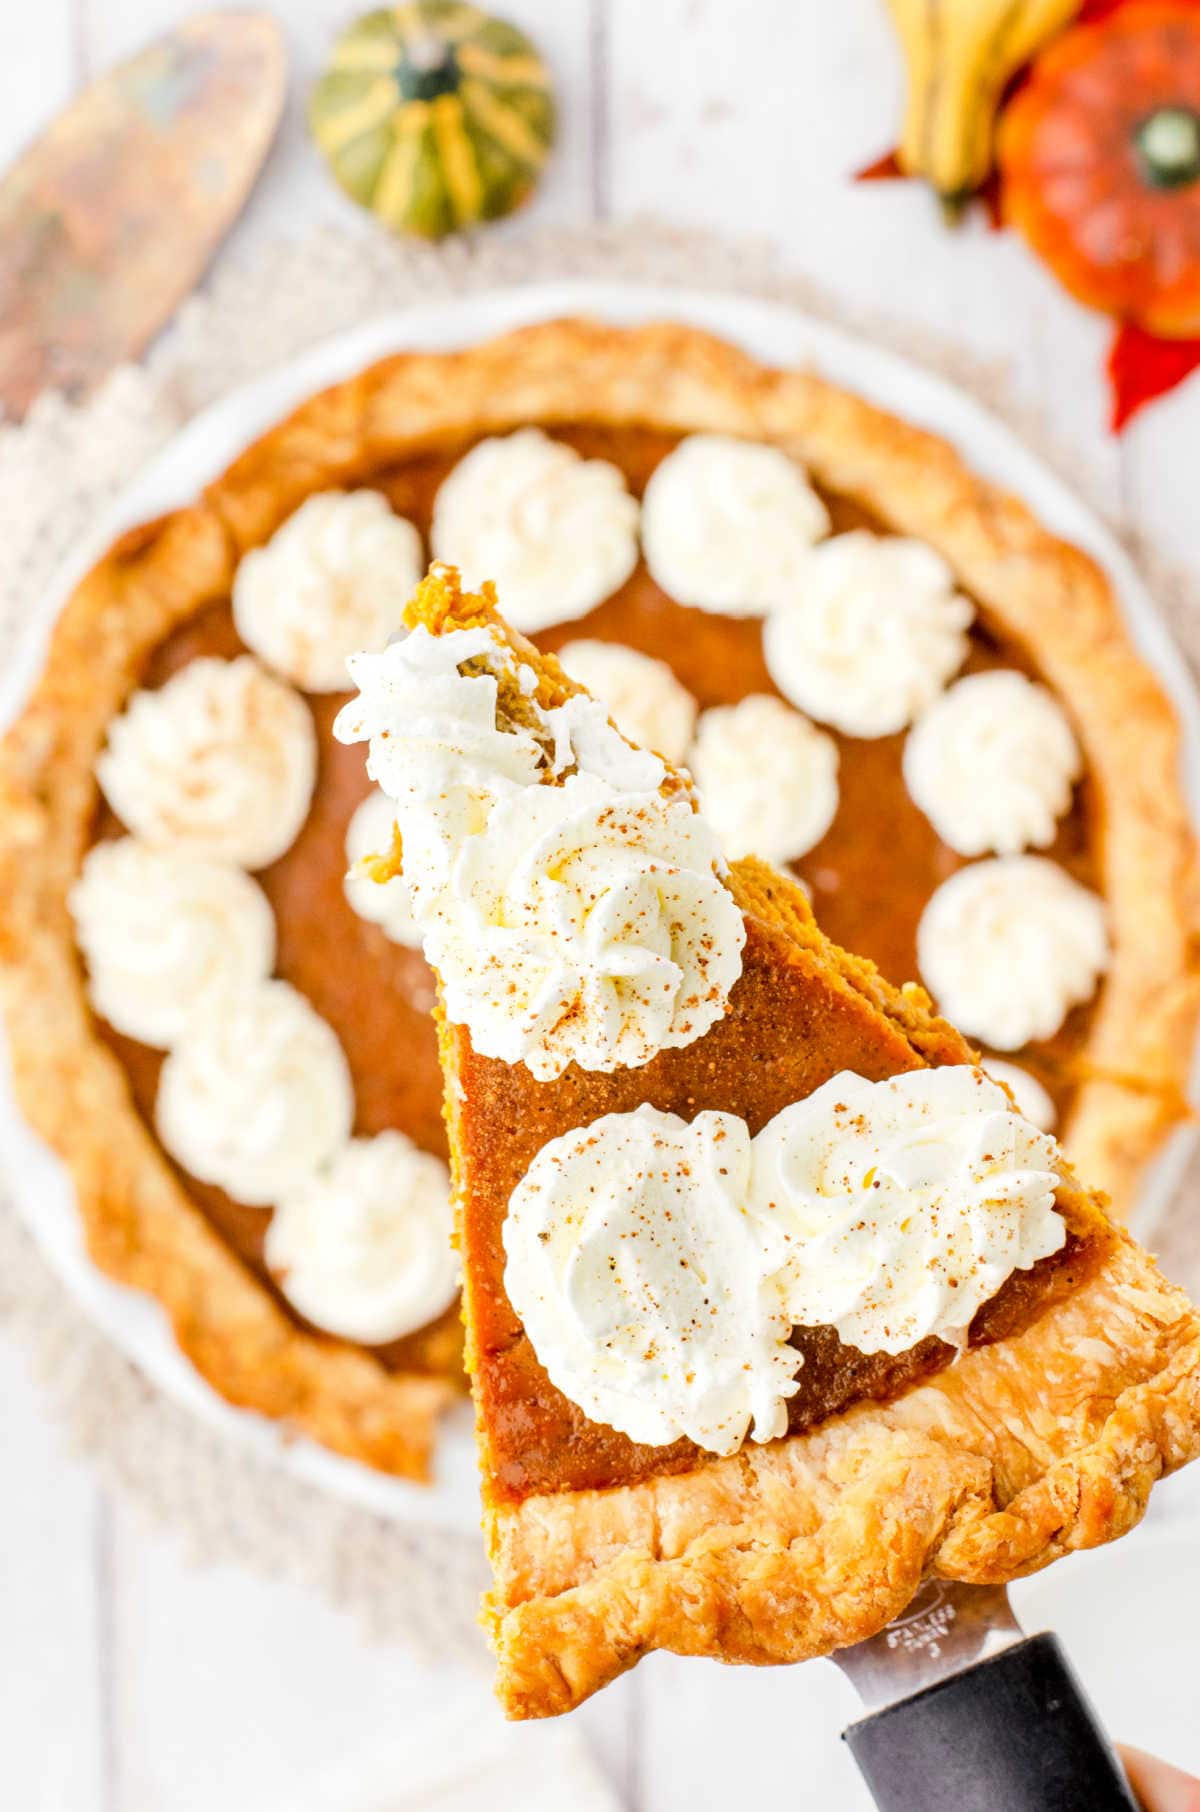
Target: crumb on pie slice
(979, 1451)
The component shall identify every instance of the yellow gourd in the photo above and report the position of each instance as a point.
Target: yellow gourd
(960, 55)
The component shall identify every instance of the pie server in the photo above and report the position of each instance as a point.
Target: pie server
(967, 1714)
(110, 217)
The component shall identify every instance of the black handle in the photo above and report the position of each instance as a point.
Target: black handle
(1014, 1733)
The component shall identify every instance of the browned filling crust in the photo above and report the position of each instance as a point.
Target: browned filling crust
(870, 876)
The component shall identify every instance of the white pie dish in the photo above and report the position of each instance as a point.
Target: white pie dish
(213, 439)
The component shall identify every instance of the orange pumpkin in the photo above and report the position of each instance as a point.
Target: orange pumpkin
(1100, 164)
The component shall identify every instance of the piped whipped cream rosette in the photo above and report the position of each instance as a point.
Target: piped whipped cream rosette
(646, 1283)
(570, 898)
(992, 763)
(579, 928)
(334, 578)
(1009, 945)
(557, 533)
(768, 779)
(382, 903)
(869, 634)
(167, 936)
(221, 761)
(362, 1246)
(906, 1203)
(727, 525)
(256, 1095)
(659, 1267)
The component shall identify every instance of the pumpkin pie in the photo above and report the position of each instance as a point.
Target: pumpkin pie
(716, 1178)
(698, 536)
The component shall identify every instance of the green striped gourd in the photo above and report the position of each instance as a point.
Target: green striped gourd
(434, 115)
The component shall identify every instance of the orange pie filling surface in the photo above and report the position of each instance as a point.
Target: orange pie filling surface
(870, 877)
(535, 1439)
(534, 1100)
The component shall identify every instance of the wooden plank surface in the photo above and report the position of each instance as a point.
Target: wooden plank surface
(133, 1683)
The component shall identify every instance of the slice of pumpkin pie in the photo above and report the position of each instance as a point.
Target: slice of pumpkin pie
(775, 1305)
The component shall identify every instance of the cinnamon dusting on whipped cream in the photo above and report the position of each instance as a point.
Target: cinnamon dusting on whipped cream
(569, 894)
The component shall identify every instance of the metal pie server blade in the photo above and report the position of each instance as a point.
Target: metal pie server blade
(967, 1714)
(108, 220)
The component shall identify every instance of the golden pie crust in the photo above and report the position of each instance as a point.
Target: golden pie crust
(141, 1226)
(1021, 1452)
(1043, 1440)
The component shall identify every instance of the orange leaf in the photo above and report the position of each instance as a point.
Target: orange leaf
(884, 169)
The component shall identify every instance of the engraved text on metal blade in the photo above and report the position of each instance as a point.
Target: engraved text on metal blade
(944, 1629)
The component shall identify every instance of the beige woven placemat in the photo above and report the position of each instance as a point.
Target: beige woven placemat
(57, 471)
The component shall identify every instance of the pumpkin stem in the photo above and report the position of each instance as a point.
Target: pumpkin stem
(1168, 146)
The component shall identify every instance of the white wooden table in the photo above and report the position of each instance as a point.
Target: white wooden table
(130, 1682)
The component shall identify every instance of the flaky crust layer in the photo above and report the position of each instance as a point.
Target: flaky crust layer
(141, 1226)
(1018, 1453)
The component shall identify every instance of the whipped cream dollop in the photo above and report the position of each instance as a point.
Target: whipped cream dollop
(643, 1278)
(658, 1267)
(557, 533)
(870, 633)
(992, 764)
(586, 926)
(580, 922)
(166, 935)
(220, 760)
(906, 1203)
(641, 695)
(768, 779)
(383, 903)
(363, 1248)
(1009, 945)
(333, 579)
(433, 732)
(1032, 1099)
(257, 1094)
(727, 525)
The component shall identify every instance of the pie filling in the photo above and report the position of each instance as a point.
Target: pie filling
(536, 1439)
(590, 1192)
(392, 1051)
(870, 876)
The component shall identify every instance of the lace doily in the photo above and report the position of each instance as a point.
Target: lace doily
(57, 472)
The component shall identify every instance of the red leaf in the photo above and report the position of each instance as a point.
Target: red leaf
(1142, 367)
(1093, 12)
(884, 169)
